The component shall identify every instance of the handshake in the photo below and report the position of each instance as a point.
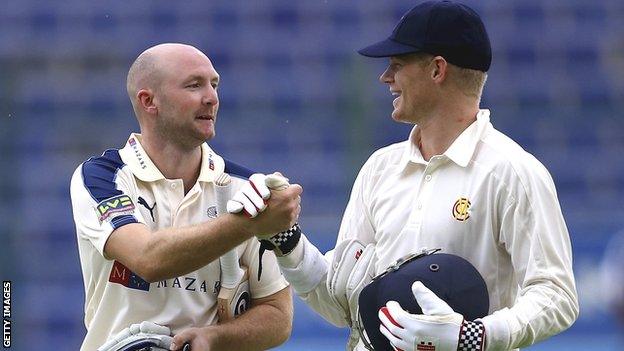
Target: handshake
(255, 197)
(251, 198)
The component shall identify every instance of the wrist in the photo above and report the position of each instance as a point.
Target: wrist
(212, 336)
(497, 331)
(244, 225)
(293, 258)
(472, 336)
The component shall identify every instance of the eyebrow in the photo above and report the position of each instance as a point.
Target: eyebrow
(201, 78)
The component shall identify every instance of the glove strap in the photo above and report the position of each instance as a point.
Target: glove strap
(281, 243)
(471, 336)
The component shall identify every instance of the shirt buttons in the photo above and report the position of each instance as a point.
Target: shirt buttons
(428, 177)
(174, 185)
(419, 205)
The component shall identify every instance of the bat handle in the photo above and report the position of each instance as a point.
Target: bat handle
(222, 192)
(231, 272)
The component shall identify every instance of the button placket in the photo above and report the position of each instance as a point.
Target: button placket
(188, 199)
(424, 194)
(175, 198)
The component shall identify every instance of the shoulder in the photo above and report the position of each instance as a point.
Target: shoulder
(109, 162)
(387, 157)
(382, 164)
(99, 175)
(508, 160)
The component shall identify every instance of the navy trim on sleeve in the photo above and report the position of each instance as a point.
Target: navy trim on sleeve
(99, 174)
(123, 220)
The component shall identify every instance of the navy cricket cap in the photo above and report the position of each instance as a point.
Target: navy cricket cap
(450, 277)
(445, 28)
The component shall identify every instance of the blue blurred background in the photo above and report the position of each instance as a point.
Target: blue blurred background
(295, 97)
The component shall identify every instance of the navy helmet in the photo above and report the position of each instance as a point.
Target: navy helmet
(450, 277)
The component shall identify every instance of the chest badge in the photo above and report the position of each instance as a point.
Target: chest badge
(212, 212)
(460, 209)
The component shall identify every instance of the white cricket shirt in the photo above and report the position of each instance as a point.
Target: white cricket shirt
(124, 186)
(486, 200)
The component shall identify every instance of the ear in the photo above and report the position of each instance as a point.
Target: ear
(146, 101)
(440, 69)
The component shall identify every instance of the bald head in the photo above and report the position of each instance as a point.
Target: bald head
(150, 67)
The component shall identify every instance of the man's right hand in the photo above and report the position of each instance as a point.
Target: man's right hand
(251, 198)
(275, 213)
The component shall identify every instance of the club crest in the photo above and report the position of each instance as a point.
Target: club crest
(212, 212)
(461, 209)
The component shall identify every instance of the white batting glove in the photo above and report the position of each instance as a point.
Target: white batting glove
(438, 328)
(138, 336)
(251, 197)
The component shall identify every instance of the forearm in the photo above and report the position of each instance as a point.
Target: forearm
(172, 252)
(319, 300)
(262, 327)
(306, 270)
(266, 324)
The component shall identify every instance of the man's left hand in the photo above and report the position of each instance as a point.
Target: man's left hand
(198, 339)
(438, 328)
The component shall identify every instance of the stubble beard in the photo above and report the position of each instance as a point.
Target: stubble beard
(178, 134)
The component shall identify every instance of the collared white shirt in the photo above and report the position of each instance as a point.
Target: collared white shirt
(485, 199)
(124, 186)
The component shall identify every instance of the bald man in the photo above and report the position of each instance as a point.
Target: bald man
(148, 237)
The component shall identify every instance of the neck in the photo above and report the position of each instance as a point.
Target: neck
(172, 160)
(440, 129)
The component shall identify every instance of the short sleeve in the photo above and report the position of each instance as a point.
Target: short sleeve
(102, 199)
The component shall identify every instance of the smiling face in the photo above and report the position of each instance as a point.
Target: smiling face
(186, 99)
(173, 89)
(409, 80)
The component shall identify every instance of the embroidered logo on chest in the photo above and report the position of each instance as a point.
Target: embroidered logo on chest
(461, 209)
(144, 203)
(212, 212)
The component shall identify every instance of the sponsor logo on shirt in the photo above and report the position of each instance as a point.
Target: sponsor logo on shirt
(137, 152)
(144, 203)
(120, 274)
(210, 162)
(186, 283)
(461, 209)
(113, 207)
